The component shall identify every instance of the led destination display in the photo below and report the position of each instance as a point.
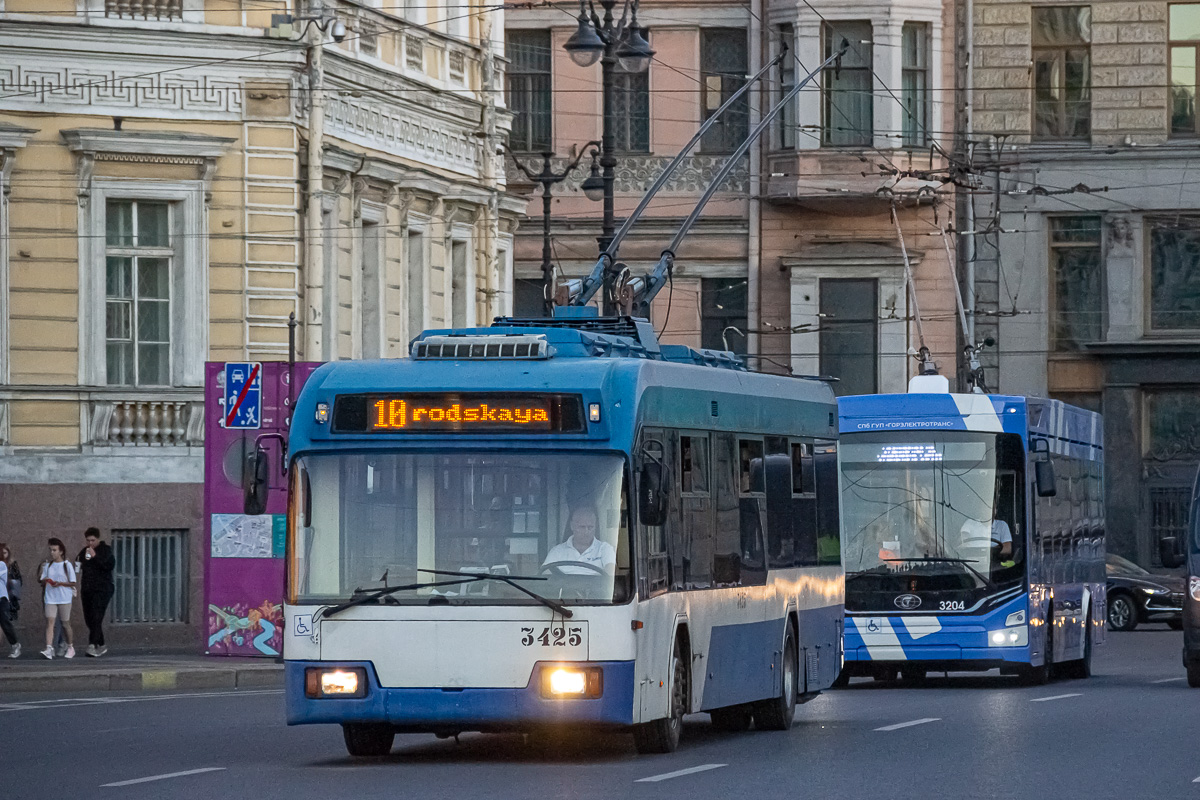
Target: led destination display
(457, 413)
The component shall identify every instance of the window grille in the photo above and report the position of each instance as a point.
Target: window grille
(150, 575)
(1174, 279)
(1168, 517)
(632, 112)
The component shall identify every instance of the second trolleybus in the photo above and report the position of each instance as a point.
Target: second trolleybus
(973, 533)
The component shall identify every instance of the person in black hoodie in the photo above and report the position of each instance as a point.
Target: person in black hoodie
(96, 588)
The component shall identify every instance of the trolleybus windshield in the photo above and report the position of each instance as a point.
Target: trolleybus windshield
(931, 510)
(365, 521)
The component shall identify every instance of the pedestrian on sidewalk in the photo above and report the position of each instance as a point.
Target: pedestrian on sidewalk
(95, 587)
(6, 617)
(60, 637)
(58, 581)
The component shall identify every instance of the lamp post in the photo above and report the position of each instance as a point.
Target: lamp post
(614, 44)
(547, 178)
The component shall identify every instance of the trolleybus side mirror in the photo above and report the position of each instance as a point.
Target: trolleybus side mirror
(256, 484)
(652, 494)
(1043, 473)
(1168, 553)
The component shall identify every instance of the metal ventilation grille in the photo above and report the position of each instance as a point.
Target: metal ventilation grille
(482, 347)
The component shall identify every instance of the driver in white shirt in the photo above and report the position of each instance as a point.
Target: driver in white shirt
(583, 546)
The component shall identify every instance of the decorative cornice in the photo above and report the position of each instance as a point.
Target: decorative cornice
(146, 147)
(13, 137)
(146, 143)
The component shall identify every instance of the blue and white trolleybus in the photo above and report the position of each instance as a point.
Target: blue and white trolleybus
(558, 523)
(973, 533)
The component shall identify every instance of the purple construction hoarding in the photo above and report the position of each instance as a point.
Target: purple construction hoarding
(244, 562)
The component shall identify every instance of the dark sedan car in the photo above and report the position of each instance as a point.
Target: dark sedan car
(1136, 596)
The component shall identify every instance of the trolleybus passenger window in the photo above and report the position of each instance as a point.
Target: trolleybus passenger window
(657, 567)
(781, 534)
(829, 545)
(751, 510)
(694, 556)
(804, 504)
(727, 555)
(693, 464)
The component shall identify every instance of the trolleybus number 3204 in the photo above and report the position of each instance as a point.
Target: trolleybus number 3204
(552, 637)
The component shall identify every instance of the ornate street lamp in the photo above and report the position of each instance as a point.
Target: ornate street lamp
(616, 45)
(547, 178)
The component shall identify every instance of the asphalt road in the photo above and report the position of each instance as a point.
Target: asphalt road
(1127, 732)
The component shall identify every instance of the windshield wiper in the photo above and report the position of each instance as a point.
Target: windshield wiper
(966, 562)
(511, 580)
(361, 596)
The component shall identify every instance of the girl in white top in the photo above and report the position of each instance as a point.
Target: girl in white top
(58, 580)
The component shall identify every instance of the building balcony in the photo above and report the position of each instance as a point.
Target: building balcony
(124, 418)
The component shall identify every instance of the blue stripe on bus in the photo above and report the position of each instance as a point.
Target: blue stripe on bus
(465, 709)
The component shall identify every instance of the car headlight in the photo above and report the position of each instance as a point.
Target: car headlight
(1016, 636)
(342, 682)
(1194, 587)
(1154, 590)
(562, 681)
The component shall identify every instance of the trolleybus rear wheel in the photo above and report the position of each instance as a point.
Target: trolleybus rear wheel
(368, 739)
(662, 735)
(776, 714)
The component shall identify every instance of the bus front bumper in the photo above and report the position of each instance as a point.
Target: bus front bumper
(438, 710)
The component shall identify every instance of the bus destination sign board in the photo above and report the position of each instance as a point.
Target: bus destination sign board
(457, 413)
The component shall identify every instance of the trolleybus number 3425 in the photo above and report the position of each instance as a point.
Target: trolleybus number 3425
(553, 637)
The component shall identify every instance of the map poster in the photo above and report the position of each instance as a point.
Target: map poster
(244, 536)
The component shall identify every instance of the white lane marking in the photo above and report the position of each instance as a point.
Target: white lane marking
(1055, 697)
(163, 777)
(909, 724)
(679, 773)
(44, 705)
(1169, 680)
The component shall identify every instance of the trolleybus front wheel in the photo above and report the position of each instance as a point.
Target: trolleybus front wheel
(776, 714)
(368, 739)
(662, 735)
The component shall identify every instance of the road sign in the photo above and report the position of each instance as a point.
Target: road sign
(243, 395)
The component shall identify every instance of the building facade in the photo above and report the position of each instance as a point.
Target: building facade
(798, 262)
(163, 165)
(1087, 260)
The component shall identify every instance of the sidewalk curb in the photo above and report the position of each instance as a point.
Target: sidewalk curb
(256, 677)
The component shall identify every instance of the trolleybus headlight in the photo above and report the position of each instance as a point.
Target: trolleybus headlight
(335, 682)
(563, 681)
(1016, 636)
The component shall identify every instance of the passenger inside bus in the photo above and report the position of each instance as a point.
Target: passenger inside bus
(582, 547)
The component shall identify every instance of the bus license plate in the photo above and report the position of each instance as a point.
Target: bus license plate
(555, 636)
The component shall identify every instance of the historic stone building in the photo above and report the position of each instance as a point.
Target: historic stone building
(797, 260)
(1084, 128)
(172, 193)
